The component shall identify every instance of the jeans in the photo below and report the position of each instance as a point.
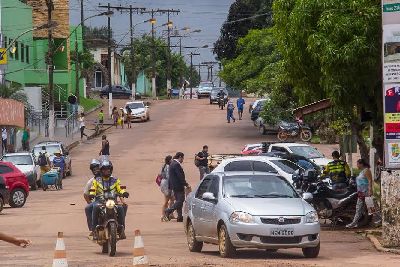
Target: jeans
(203, 171)
(229, 115)
(178, 204)
(96, 213)
(89, 212)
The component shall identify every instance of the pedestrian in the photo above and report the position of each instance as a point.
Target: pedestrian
(129, 116)
(114, 115)
(202, 162)
(82, 125)
(12, 240)
(121, 116)
(4, 140)
(105, 149)
(59, 162)
(25, 139)
(339, 171)
(101, 118)
(43, 161)
(364, 189)
(240, 105)
(164, 186)
(177, 184)
(229, 112)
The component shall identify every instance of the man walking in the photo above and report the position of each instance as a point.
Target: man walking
(177, 184)
(240, 105)
(202, 160)
(339, 171)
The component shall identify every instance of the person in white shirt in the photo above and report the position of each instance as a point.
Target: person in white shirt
(82, 125)
(4, 140)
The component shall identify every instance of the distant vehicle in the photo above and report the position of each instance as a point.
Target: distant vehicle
(250, 210)
(304, 150)
(204, 89)
(283, 167)
(25, 162)
(257, 109)
(175, 92)
(251, 149)
(214, 95)
(51, 148)
(194, 93)
(16, 182)
(253, 105)
(140, 111)
(301, 161)
(118, 91)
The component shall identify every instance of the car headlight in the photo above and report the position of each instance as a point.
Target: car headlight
(241, 217)
(110, 204)
(312, 217)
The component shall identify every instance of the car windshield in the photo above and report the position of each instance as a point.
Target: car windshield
(205, 84)
(19, 159)
(50, 149)
(308, 152)
(135, 105)
(286, 165)
(257, 186)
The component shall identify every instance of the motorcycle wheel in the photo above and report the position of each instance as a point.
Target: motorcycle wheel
(112, 240)
(305, 135)
(282, 136)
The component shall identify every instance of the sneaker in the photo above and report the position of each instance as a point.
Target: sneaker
(351, 225)
(179, 220)
(166, 215)
(90, 236)
(94, 235)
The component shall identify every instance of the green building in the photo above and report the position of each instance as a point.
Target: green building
(27, 65)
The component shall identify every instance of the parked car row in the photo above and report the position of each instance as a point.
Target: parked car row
(118, 91)
(20, 172)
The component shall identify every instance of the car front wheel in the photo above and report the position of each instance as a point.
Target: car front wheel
(311, 252)
(226, 249)
(17, 198)
(193, 244)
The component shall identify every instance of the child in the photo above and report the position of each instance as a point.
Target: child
(101, 118)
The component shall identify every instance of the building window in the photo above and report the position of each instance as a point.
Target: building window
(22, 53)
(16, 50)
(9, 43)
(5, 41)
(27, 53)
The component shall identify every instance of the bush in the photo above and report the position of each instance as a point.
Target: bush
(88, 103)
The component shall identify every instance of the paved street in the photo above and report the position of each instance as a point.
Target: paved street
(137, 155)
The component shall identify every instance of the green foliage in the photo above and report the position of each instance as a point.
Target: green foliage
(231, 32)
(88, 103)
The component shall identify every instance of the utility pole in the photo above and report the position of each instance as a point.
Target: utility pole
(82, 24)
(77, 69)
(109, 49)
(169, 63)
(191, 71)
(219, 71)
(50, 8)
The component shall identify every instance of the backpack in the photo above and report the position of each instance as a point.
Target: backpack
(42, 160)
(196, 161)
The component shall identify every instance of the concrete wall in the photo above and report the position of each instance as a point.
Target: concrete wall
(34, 95)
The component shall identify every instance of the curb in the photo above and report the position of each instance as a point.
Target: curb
(379, 246)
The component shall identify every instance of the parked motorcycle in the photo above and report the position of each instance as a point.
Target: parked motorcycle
(336, 206)
(107, 229)
(296, 129)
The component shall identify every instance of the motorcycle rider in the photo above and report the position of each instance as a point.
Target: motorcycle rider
(221, 98)
(338, 170)
(95, 168)
(106, 180)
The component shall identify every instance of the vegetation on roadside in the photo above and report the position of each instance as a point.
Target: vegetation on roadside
(89, 104)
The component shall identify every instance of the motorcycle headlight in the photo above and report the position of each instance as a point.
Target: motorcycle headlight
(312, 217)
(241, 217)
(110, 204)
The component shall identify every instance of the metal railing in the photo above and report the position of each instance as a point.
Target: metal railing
(39, 121)
(70, 125)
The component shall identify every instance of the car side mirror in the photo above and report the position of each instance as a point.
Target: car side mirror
(209, 196)
(307, 196)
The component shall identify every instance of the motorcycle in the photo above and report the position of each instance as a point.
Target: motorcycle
(221, 101)
(107, 229)
(336, 206)
(287, 130)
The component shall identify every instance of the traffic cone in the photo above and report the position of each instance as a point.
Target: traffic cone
(60, 254)
(139, 256)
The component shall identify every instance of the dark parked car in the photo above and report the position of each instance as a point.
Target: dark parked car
(257, 109)
(118, 91)
(303, 162)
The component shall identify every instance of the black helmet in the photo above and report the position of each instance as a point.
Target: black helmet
(106, 165)
(94, 164)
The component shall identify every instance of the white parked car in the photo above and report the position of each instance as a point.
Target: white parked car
(304, 150)
(283, 167)
(26, 163)
(250, 210)
(140, 111)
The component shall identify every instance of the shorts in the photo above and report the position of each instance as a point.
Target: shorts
(240, 109)
(101, 121)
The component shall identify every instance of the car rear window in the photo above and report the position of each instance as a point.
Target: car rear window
(242, 165)
(286, 165)
(260, 166)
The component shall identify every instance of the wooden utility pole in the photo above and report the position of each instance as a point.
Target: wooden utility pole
(191, 72)
(50, 64)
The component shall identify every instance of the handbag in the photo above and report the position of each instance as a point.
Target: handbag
(159, 179)
(369, 202)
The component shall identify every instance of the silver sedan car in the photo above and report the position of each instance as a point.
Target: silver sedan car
(250, 210)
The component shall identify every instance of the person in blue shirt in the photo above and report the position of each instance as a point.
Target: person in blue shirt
(240, 103)
(59, 162)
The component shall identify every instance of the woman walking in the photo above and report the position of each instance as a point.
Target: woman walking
(82, 125)
(114, 115)
(164, 187)
(364, 189)
(129, 116)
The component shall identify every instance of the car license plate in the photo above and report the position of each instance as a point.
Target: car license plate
(282, 232)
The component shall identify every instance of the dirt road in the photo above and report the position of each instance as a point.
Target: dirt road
(137, 155)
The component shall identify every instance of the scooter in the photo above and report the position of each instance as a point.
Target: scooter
(106, 232)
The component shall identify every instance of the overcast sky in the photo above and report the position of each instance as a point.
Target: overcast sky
(206, 15)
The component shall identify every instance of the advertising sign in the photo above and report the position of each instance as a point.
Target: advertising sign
(391, 80)
(3, 56)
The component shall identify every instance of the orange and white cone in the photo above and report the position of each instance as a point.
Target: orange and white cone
(60, 254)
(139, 256)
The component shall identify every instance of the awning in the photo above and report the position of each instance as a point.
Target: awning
(12, 113)
(312, 108)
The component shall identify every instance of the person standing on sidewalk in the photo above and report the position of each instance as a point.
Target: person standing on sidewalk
(177, 184)
(240, 105)
(105, 149)
(82, 125)
(4, 140)
(229, 112)
(202, 160)
(25, 139)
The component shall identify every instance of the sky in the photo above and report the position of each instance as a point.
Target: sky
(206, 15)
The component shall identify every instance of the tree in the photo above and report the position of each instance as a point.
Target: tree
(232, 30)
